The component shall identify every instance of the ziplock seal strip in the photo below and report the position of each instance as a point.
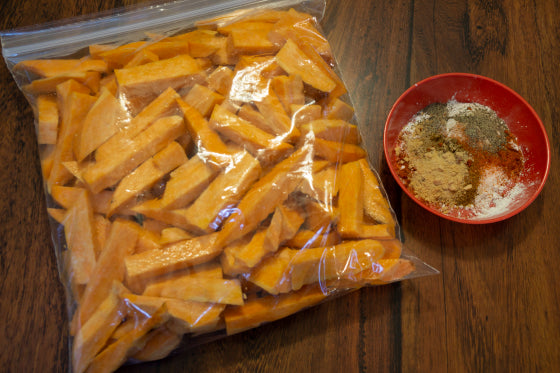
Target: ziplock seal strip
(63, 38)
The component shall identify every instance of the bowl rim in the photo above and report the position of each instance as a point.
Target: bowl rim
(502, 217)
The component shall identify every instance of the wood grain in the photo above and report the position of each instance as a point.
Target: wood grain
(494, 306)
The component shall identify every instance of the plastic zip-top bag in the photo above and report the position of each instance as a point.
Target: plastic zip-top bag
(204, 173)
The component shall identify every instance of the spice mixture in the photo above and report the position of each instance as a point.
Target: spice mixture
(458, 155)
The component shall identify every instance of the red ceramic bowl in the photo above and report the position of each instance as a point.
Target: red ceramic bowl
(522, 120)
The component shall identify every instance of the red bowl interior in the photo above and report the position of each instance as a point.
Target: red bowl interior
(522, 120)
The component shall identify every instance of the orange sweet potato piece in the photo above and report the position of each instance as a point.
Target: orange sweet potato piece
(66, 196)
(185, 316)
(376, 231)
(338, 109)
(249, 83)
(142, 57)
(55, 67)
(350, 200)
(109, 83)
(302, 114)
(260, 144)
(383, 272)
(292, 59)
(210, 269)
(79, 232)
(109, 268)
(47, 119)
(327, 263)
(203, 99)
(306, 238)
(273, 274)
(147, 239)
(195, 317)
(186, 183)
(223, 55)
(233, 260)
(169, 48)
(300, 27)
(65, 93)
(89, 79)
(244, 25)
(93, 335)
(258, 311)
(174, 234)
(283, 226)
(176, 218)
(187, 143)
(57, 214)
(126, 326)
(242, 258)
(144, 81)
(275, 115)
(119, 56)
(160, 343)
(220, 80)
(93, 81)
(263, 197)
(224, 192)
(395, 269)
(320, 63)
(337, 152)
(46, 153)
(154, 226)
(323, 186)
(102, 229)
(333, 130)
(73, 111)
(101, 201)
(64, 90)
(198, 289)
(147, 174)
(164, 105)
(115, 354)
(209, 143)
(247, 112)
(252, 40)
(76, 169)
(102, 121)
(320, 217)
(289, 90)
(393, 248)
(96, 49)
(202, 43)
(176, 256)
(205, 64)
(375, 205)
(106, 173)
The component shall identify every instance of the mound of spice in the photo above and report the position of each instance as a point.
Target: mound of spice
(458, 156)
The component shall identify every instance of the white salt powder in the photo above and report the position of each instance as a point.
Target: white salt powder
(455, 108)
(496, 194)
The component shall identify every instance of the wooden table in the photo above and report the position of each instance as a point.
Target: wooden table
(493, 308)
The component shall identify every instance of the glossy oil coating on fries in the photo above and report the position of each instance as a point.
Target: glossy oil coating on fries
(205, 182)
